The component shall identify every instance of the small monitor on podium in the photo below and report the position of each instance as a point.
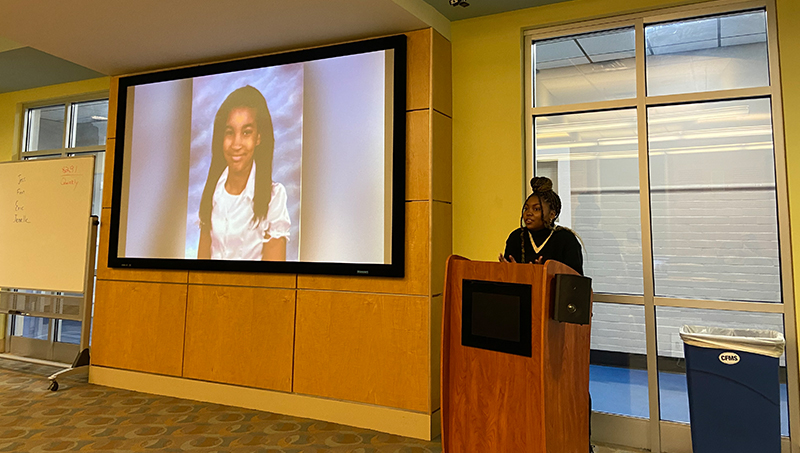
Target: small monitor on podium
(496, 316)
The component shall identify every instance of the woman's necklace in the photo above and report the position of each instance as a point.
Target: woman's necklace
(539, 248)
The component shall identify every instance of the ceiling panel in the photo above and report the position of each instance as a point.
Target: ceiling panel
(743, 24)
(478, 8)
(52, 41)
(121, 37)
(598, 44)
(25, 68)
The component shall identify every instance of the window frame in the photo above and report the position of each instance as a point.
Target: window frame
(20, 142)
(21, 131)
(641, 102)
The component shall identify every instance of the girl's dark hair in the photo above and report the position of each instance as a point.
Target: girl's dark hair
(262, 155)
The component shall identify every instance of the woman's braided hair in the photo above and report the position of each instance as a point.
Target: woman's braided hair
(542, 187)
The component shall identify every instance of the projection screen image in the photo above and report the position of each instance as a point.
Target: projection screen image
(281, 163)
(258, 124)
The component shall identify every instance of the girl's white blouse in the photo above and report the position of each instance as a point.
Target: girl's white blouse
(234, 235)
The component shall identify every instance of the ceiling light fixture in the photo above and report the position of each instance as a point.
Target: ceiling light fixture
(463, 3)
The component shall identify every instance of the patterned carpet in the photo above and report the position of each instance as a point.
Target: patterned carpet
(90, 418)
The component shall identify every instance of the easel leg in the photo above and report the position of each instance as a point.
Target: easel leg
(80, 367)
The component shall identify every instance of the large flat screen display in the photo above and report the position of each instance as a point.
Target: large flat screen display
(293, 162)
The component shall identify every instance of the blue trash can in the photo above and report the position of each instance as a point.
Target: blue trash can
(734, 389)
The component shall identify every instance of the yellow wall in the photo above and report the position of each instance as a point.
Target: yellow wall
(9, 101)
(788, 37)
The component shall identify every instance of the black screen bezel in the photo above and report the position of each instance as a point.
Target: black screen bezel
(394, 269)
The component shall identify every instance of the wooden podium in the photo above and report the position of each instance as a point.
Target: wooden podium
(503, 402)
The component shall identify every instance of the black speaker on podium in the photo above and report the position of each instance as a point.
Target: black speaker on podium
(573, 298)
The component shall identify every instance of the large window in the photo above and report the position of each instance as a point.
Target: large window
(662, 135)
(60, 128)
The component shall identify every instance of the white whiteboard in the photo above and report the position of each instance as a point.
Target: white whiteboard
(45, 208)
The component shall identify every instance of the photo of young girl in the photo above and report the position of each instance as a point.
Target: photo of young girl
(245, 165)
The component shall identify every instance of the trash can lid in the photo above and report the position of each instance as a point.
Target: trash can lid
(757, 341)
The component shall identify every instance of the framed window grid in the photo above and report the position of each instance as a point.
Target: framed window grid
(576, 55)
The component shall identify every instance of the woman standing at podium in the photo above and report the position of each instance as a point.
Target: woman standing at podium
(539, 239)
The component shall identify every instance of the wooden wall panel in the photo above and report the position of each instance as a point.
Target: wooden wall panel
(418, 81)
(140, 275)
(369, 348)
(139, 326)
(417, 272)
(418, 155)
(442, 74)
(240, 336)
(442, 243)
(112, 108)
(436, 351)
(441, 157)
(111, 135)
(108, 172)
(261, 280)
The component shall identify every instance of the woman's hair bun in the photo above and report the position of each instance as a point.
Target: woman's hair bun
(541, 184)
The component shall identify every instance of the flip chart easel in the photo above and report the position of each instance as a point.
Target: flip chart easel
(48, 237)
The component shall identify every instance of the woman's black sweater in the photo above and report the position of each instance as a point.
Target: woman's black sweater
(563, 246)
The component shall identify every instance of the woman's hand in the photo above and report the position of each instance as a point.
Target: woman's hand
(503, 259)
(511, 259)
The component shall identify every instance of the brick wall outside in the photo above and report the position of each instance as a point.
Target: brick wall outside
(712, 244)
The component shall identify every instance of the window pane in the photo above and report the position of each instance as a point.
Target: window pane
(31, 327)
(592, 160)
(99, 166)
(714, 219)
(672, 367)
(618, 371)
(48, 156)
(68, 331)
(716, 53)
(45, 128)
(89, 123)
(585, 68)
